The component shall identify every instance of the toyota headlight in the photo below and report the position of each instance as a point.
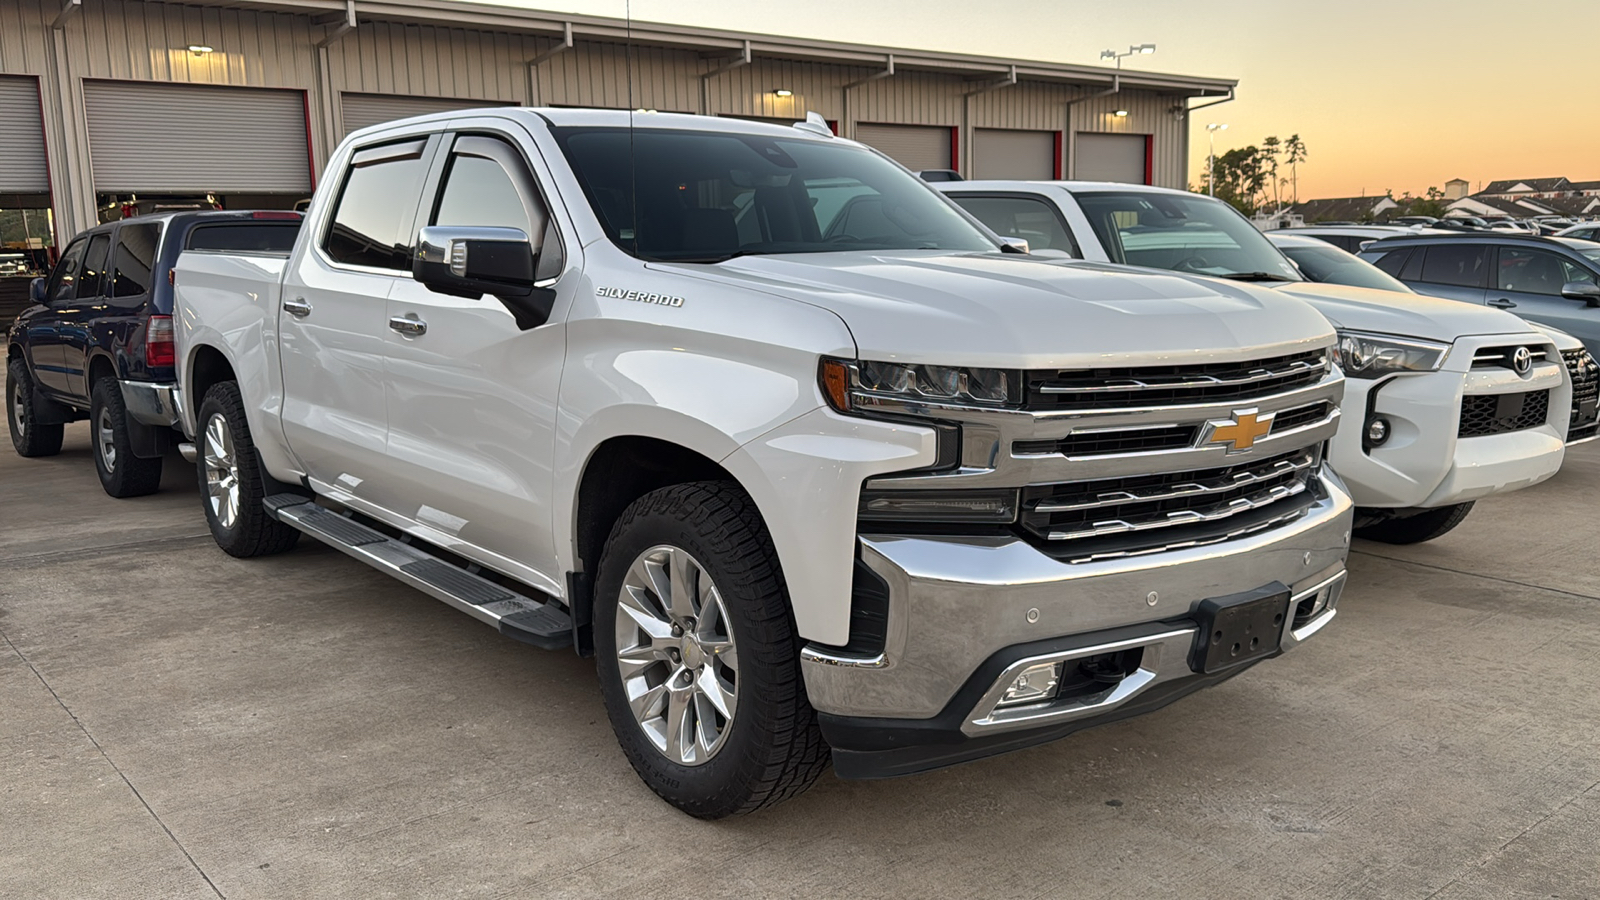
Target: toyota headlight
(847, 382)
(1363, 355)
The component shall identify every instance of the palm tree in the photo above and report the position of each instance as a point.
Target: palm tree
(1269, 154)
(1296, 150)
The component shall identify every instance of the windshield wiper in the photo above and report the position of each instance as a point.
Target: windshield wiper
(721, 257)
(1255, 276)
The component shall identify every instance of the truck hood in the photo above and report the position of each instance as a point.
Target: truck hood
(1409, 315)
(1012, 311)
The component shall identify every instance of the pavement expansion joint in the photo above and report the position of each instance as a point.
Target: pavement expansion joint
(112, 763)
(27, 559)
(1438, 568)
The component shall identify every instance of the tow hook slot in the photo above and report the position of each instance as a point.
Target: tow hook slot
(1094, 674)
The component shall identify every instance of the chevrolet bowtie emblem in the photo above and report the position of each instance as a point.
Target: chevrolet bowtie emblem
(1241, 432)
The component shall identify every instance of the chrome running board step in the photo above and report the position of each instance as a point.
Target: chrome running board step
(537, 622)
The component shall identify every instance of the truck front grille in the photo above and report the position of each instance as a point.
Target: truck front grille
(1585, 374)
(1487, 414)
(1113, 517)
(1113, 441)
(1148, 386)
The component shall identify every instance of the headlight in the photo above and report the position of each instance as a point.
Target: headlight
(1364, 355)
(844, 381)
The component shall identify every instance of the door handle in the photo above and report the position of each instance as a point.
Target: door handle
(408, 324)
(298, 307)
(1502, 304)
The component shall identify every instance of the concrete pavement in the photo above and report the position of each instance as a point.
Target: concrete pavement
(175, 723)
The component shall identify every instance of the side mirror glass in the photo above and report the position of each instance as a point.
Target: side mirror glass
(470, 262)
(36, 289)
(1586, 291)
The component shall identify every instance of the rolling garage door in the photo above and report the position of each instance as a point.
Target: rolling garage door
(1004, 153)
(22, 167)
(916, 147)
(1111, 157)
(170, 138)
(362, 110)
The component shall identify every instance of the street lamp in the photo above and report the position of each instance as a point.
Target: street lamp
(1133, 50)
(1211, 162)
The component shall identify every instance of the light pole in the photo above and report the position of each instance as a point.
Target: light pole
(1133, 50)
(1211, 162)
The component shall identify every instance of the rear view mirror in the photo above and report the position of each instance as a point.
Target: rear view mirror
(36, 289)
(1586, 291)
(471, 262)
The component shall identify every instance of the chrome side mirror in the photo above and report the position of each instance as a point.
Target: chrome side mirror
(1013, 245)
(470, 262)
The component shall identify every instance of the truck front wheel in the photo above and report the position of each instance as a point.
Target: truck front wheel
(27, 435)
(231, 487)
(1417, 528)
(698, 656)
(121, 473)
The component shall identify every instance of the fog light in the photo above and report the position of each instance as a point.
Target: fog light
(1034, 684)
(1377, 430)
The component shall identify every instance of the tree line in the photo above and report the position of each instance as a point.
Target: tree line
(1261, 178)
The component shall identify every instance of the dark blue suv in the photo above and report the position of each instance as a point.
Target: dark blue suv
(1553, 281)
(98, 341)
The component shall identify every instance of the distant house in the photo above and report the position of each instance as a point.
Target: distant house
(1343, 209)
(1456, 188)
(1527, 188)
(1483, 204)
(1586, 188)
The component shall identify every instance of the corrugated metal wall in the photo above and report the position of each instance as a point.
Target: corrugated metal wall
(127, 39)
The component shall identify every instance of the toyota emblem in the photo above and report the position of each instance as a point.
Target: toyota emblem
(1522, 361)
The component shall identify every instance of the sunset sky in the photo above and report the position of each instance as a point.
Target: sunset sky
(1387, 94)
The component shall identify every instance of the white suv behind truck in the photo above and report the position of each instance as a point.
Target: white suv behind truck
(809, 462)
(1447, 403)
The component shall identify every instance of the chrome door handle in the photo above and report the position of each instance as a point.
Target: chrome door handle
(408, 324)
(298, 307)
(1502, 304)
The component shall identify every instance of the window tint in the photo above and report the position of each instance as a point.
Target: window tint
(1182, 232)
(478, 192)
(372, 218)
(64, 280)
(94, 266)
(1394, 261)
(1024, 217)
(1463, 265)
(1334, 266)
(135, 259)
(1532, 271)
(261, 237)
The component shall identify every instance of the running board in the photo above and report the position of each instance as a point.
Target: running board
(515, 615)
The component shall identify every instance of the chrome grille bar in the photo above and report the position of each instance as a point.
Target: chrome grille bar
(1217, 485)
(1181, 382)
(1253, 528)
(1185, 517)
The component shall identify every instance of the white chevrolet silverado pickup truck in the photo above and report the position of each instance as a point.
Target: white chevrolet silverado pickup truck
(807, 459)
(1447, 402)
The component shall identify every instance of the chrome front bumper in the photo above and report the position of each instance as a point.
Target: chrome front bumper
(957, 601)
(151, 403)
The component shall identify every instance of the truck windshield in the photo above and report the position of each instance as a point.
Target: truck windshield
(1334, 266)
(1185, 233)
(692, 196)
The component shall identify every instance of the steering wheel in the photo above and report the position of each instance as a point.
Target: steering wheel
(1192, 264)
(842, 237)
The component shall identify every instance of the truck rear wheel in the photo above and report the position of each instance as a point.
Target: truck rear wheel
(698, 656)
(122, 474)
(231, 487)
(27, 435)
(1418, 528)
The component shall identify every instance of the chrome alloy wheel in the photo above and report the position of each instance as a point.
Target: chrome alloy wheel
(105, 439)
(222, 472)
(19, 412)
(676, 655)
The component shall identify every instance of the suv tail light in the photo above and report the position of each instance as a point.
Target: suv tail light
(159, 348)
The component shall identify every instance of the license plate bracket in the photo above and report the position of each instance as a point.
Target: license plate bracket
(1240, 628)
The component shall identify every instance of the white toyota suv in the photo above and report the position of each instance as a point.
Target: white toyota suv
(810, 464)
(1448, 403)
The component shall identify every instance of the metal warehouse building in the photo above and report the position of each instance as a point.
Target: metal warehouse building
(115, 106)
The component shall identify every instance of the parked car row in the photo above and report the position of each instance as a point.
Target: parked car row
(817, 462)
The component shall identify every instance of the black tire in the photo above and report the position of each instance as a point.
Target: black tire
(28, 437)
(121, 473)
(1417, 528)
(773, 749)
(251, 532)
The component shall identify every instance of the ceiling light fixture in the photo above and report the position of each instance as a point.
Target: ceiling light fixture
(1121, 114)
(199, 49)
(783, 92)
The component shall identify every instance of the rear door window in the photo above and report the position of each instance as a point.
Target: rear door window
(1394, 261)
(94, 267)
(135, 259)
(1462, 265)
(376, 207)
